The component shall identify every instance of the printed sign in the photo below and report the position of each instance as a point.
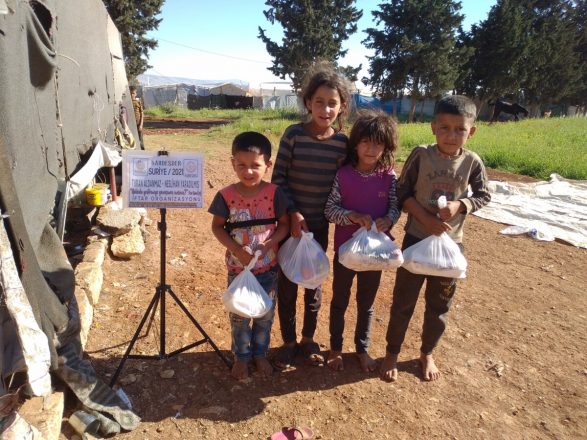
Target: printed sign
(156, 180)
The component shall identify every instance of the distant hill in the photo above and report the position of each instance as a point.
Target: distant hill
(157, 80)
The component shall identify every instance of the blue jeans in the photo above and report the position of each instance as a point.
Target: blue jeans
(251, 336)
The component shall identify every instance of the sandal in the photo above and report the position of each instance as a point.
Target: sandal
(294, 433)
(311, 353)
(284, 358)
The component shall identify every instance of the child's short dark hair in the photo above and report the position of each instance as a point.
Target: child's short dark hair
(132, 89)
(456, 105)
(379, 127)
(323, 73)
(253, 142)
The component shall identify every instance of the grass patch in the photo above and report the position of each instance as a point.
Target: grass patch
(532, 147)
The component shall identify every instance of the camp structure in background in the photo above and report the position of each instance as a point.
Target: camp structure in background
(192, 93)
(195, 94)
(63, 90)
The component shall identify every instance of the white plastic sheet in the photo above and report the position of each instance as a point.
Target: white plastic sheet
(558, 207)
(369, 249)
(34, 343)
(102, 156)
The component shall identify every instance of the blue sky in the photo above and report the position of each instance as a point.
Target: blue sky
(218, 39)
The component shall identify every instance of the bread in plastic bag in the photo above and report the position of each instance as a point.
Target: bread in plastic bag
(303, 261)
(245, 296)
(369, 249)
(437, 255)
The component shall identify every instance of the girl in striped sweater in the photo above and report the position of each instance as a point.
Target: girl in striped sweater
(309, 155)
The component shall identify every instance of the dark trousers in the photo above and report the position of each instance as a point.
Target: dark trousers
(141, 142)
(287, 295)
(438, 296)
(367, 285)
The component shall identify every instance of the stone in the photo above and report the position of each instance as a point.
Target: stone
(89, 276)
(214, 410)
(45, 413)
(118, 222)
(127, 380)
(95, 252)
(129, 244)
(167, 374)
(86, 313)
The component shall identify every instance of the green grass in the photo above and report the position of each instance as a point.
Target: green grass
(532, 147)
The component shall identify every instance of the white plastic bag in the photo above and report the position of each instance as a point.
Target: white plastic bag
(369, 249)
(245, 296)
(436, 255)
(303, 261)
(538, 231)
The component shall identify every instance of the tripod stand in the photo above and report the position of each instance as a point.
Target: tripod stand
(159, 299)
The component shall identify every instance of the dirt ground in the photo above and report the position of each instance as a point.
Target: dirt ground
(513, 357)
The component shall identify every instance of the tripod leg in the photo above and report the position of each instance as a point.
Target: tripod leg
(153, 303)
(199, 327)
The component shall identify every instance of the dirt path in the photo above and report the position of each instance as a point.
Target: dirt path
(513, 357)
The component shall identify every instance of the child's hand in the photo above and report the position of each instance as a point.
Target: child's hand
(452, 209)
(383, 224)
(435, 226)
(298, 224)
(244, 255)
(363, 220)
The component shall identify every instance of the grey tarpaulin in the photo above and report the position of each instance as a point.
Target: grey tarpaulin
(61, 87)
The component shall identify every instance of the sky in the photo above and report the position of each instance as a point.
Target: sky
(218, 39)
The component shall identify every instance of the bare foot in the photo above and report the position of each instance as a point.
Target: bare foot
(429, 369)
(240, 370)
(335, 361)
(311, 352)
(368, 364)
(388, 368)
(264, 368)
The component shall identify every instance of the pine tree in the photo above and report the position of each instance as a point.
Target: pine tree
(312, 30)
(526, 50)
(134, 18)
(552, 68)
(416, 49)
(501, 49)
(579, 17)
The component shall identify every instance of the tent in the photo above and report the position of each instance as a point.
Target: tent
(59, 99)
(162, 90)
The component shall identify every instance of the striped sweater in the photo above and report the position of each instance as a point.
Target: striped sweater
(305, 168)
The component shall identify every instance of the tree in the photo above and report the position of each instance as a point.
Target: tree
(501, 44)
(553, 65)
(416, 49)
(312, 30)
(525, 50)
(134, 19)
(579, 17)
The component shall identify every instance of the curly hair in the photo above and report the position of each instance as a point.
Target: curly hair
(323, 73)
(379, 127)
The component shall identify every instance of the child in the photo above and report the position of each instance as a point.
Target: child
(248, 216)
(444, 168)
(363, 192)
(139, 114)
(308, 157)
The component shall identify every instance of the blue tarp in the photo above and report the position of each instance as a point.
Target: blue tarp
(362, 101)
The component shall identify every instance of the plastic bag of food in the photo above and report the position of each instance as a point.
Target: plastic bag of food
(303, 261)
(245, 296)
(436, 255)
(369, 249)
